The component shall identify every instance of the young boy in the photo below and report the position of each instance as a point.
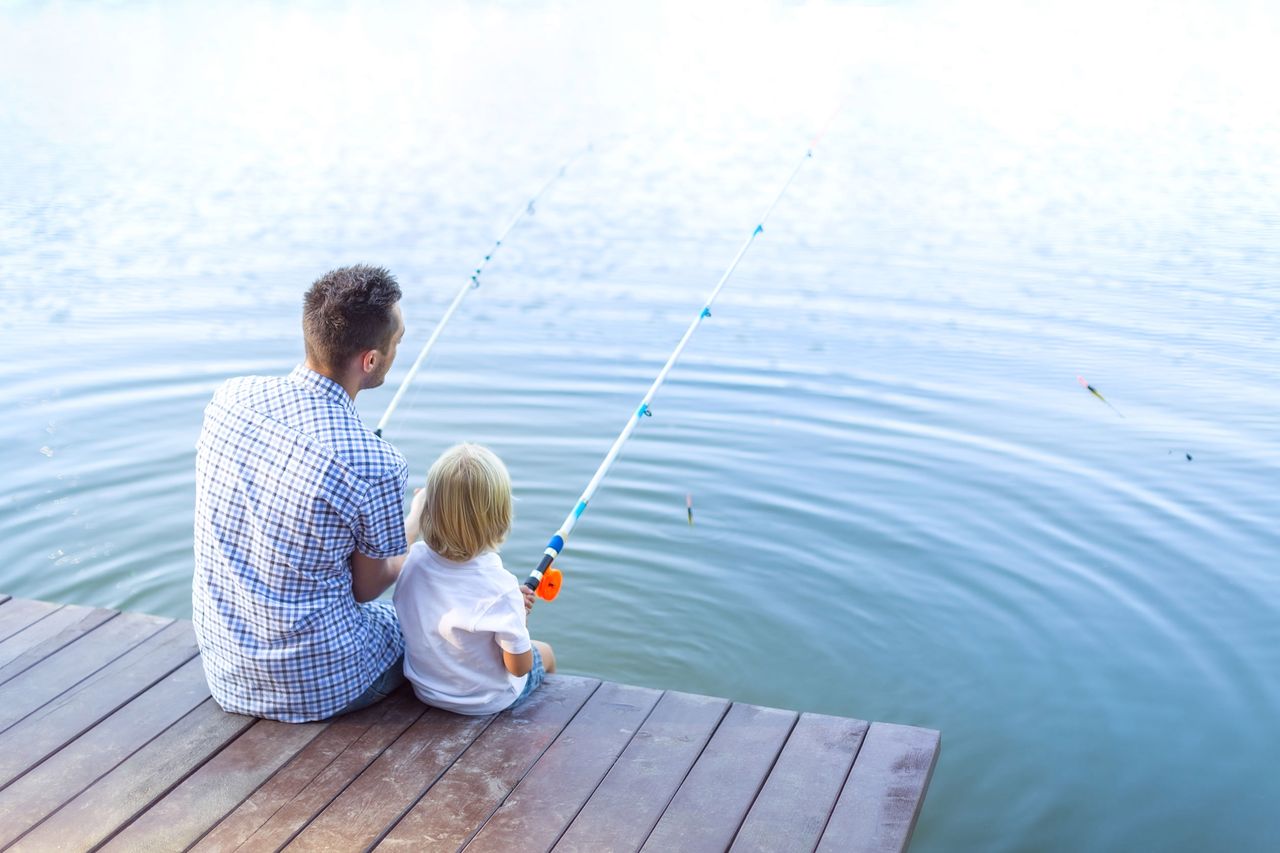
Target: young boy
(467, 647)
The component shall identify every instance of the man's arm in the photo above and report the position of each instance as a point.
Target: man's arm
(371, 577)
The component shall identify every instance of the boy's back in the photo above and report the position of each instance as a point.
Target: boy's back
(458, 618)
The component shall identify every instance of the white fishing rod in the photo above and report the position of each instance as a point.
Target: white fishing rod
(545, 579)
(471, 284)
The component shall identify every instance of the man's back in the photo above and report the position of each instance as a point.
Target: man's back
(289, 483)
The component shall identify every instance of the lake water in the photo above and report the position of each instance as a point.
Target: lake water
(905, 506)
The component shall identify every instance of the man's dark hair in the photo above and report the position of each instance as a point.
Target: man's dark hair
(349, 311)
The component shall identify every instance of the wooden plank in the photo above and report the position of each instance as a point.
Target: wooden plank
(44, 731)
(62, 776)
(881, 800)
(623, 810)
(39, 640)
(65, 668)
(393, 783)
(548, 798)
(709, 807)
(18, 613)
(133, 785)
(217, 787)
(792, 808)
(288, 801)
(36, 627)
(479, 780)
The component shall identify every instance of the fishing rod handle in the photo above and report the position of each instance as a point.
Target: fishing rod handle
(545, 580)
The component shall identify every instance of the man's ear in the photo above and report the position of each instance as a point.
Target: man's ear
(369, 360)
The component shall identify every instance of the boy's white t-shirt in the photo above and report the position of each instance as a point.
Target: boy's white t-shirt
(457, 618)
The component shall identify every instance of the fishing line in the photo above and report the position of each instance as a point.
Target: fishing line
(472, 283)
(1085, 384)
(545, 579)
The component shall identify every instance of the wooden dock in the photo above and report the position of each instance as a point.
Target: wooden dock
(109, 740)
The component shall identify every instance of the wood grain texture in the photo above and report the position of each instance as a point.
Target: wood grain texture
(548, 798)
(391, 784)
(286, 803)
(219, 785)
(18, 613)
(881, 800)
(36, 642)
(710, 806)
(65, 668)
(46, 787)
(128, 789)
(792, 808)
(625, 807)
(477, 783)
(45, 730)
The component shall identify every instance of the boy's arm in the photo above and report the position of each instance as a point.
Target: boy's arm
(518, 665)
(521, 664)
(506, 619)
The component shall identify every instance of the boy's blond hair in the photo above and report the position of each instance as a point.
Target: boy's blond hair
(468, 503)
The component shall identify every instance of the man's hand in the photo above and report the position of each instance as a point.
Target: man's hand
(528, 600)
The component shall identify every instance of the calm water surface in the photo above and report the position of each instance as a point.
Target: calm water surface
(906, 508)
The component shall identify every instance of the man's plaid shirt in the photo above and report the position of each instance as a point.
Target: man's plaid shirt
(289, 482)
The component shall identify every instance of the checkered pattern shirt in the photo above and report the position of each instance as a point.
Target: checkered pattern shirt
(289, 482)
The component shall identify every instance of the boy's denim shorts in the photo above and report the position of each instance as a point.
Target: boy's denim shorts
(532, 681)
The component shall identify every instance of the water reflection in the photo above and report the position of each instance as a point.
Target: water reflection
(906, 508)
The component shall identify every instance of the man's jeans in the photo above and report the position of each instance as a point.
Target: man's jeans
(380, 689)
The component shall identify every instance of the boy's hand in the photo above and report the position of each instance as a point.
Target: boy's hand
(528, 599)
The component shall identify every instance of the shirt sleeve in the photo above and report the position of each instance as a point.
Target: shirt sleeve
(379, 527)
(505, 620)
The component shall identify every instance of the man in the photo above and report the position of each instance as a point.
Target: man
(298, 523)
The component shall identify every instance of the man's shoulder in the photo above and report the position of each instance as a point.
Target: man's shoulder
(328, 428)
(259, 393)
(370, 455)
(236, 406)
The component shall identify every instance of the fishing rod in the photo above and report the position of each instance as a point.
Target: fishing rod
(472, 283)
(546, 580)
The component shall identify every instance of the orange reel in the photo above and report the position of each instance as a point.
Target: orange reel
(549, 586)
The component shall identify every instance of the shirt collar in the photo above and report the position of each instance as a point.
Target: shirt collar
(484, 560)
(322, 386)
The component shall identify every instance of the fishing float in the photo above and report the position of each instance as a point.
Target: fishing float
(472, 282)
(1084, 383)
(546, 580)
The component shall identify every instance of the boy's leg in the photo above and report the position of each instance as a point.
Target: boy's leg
(540, 669)
(548, 656)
